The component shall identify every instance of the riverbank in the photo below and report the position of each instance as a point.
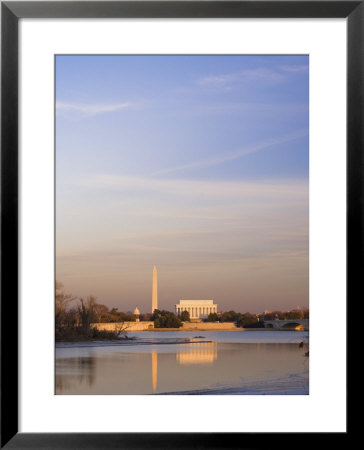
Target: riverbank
(194, 329)
(127, 327)
(77, 334)
(149, 326)
(217, 329)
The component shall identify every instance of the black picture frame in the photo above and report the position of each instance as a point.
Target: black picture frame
(11, 12)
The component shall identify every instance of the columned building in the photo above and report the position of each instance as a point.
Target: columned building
(198, 309)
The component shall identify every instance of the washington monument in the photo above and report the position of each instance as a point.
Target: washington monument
(154, 291)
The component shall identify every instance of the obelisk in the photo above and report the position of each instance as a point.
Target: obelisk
(154, 291)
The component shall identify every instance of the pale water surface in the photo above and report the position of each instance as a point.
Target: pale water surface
(250, 362)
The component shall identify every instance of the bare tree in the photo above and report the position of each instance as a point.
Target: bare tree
(86, 311)
(100, 310)
(62, 302)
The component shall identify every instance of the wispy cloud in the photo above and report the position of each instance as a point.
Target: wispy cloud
(282, 191)
(260, 74)
(303, 68)
(236, 154)
(90, 109)
(251, 108)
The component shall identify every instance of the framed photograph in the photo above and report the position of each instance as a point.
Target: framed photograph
(181, 221)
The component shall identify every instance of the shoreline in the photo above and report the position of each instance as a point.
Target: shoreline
(148, 326)
(216, 329)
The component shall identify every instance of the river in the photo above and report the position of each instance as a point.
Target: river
(187, 363)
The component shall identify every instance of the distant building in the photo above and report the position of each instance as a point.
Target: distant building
(136, 313)
(198, 309)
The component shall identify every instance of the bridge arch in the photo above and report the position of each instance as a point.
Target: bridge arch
(293, 324)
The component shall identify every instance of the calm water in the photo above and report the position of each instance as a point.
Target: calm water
(251, 362)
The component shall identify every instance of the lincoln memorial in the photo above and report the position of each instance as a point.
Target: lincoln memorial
(196, 308)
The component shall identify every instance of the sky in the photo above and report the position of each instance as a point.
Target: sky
(197, 164)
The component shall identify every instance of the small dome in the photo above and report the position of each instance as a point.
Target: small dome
(136, 311)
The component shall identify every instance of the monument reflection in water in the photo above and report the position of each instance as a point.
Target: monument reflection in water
(199, 353)
(204, 367)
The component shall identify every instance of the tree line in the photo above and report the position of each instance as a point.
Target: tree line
(76, 313)
(74, 317)
(248, 320)
(167, 319)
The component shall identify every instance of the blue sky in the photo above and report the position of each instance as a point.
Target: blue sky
(197, 164)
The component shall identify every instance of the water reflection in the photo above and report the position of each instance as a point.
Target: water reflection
(74, 372)
(154, 370)
(201, 353)
(198, 353)
(194, 367)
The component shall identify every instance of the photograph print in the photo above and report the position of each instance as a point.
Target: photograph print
(182, 224)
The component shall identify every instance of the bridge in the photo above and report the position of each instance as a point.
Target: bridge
(294, 324)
